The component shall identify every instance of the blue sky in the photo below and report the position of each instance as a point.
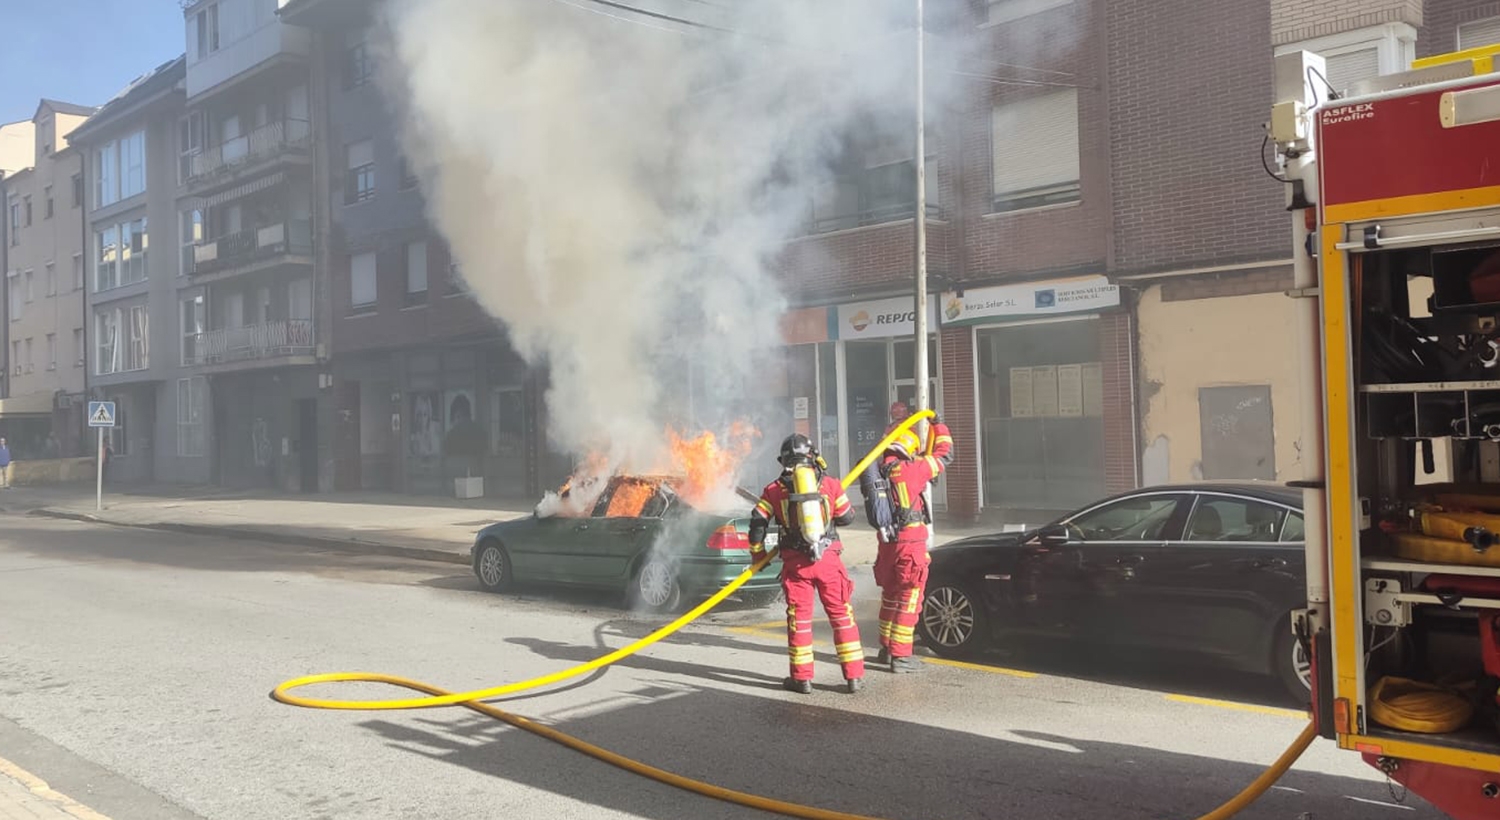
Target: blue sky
(81, 51)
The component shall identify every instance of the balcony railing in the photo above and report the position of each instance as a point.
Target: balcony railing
(237, 344)
(828, 223)
(244, 247)
(262, 143)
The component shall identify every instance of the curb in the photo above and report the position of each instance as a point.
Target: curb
(351, 545)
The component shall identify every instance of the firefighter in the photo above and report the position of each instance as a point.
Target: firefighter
(807, 504)
(901, 563)
(899, 413)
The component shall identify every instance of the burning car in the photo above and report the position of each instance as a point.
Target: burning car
(640, 535)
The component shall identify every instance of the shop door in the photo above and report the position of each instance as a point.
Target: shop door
(869, 395)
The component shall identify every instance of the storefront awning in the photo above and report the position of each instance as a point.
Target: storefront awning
(31, 404)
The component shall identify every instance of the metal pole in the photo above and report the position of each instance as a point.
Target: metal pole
(99, 475)
(920, 221)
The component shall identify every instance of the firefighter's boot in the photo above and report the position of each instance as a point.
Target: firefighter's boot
(884, 658)
(854, 685)
(801, 687)
(905, 665)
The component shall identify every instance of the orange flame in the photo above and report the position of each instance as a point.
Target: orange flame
(707, 464)
(630, 498)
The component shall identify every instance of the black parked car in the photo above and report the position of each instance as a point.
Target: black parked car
(1210, 569)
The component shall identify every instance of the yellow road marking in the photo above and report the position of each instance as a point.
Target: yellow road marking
(1241, 707)
(979, 667)
(39, 787)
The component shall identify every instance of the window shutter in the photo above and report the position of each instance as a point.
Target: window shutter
(1478, 33)
(361, 154)
(1035, 142)
(1344, 70)
(362, 280)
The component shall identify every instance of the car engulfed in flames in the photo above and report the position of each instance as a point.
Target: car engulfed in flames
(662, 536)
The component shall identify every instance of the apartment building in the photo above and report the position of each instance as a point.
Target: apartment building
(42, 412)
(413, 356)
(130, 157)
(246, 279)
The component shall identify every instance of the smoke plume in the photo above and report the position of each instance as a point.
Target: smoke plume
(616, 186)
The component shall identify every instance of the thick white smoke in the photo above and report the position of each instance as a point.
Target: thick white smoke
(617, 186)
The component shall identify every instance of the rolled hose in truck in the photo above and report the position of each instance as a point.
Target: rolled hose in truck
(472, 700)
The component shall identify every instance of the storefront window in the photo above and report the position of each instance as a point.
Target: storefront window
(828, 403)
(868, 394)
(1040, 409)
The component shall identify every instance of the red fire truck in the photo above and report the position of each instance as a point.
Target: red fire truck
(1393, 187)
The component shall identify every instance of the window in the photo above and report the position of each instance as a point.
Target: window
(1293, 529)
(1476, 33)
(1361, 54)
(189, 144)
(359, 181)
(1142, 518)
(15, 357)
(122, 339)
(408, 176)
(362, 283)
(507, 421)
(1002, 11)
(1035, 151)
(120, 255)
(27, 200)
(48, 207)
(190, 417)
(1233, 520)
(30, 354)
(191, 235)
(13, 294)
(30, 286)
(120, 169)
(416, 273)
(51, 351)
(138, 356)
(51, 279)
(15, 222)
(119, 443)
(194, 325)
(206, 27)
(78, 190)
(456, 283)
(78, 352)
(44, 128)
(77, 271)
(358, 66)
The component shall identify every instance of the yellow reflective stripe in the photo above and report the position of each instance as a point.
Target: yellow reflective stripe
(799, 656)
(911, 603)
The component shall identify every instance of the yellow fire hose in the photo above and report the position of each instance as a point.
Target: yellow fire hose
(471, 700)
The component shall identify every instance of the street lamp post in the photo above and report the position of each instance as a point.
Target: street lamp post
(920, 221)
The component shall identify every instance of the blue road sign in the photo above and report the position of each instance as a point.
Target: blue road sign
(101, 414)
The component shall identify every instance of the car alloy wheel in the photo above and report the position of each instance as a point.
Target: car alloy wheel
(1301, 665)
(657, 584)
(948, 618)
(492, 566)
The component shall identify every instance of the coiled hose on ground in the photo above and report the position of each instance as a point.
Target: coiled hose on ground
(472, 700)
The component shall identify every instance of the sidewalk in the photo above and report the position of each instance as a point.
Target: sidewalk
(428, 528)
(23, 796)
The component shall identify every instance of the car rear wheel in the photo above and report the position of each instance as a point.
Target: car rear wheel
(953, 622)
(492, 566)
(655, 587)
(1291, 663)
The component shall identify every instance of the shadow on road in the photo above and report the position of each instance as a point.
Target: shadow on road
(799, 751)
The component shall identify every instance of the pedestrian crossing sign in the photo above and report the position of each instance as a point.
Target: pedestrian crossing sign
(101, 414)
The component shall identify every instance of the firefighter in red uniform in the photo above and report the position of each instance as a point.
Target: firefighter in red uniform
(899, 413)
(812, 565)
(901, 565)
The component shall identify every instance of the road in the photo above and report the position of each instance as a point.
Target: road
(135, 667)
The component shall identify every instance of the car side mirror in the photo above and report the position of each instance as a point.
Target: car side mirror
(1055, 535)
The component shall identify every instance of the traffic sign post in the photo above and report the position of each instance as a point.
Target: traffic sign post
(102, 417)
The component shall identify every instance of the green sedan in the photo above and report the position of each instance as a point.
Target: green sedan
(641, 537)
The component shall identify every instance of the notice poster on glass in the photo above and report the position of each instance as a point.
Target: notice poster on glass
(1093, 389)
(1070, 390)
(1044, 391)
(1020, 392)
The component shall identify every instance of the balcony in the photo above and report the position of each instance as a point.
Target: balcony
(268, 142)
(252, 343)
(895, 212)
(271, 244)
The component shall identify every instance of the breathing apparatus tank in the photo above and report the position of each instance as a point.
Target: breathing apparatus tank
(803, 475)
(810, 513)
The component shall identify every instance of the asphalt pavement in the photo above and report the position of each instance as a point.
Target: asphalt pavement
(135, 667)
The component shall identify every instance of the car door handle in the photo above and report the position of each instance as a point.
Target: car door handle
(1267, 563)
(1130, 559)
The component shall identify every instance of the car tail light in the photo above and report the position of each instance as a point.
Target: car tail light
(728, 538)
